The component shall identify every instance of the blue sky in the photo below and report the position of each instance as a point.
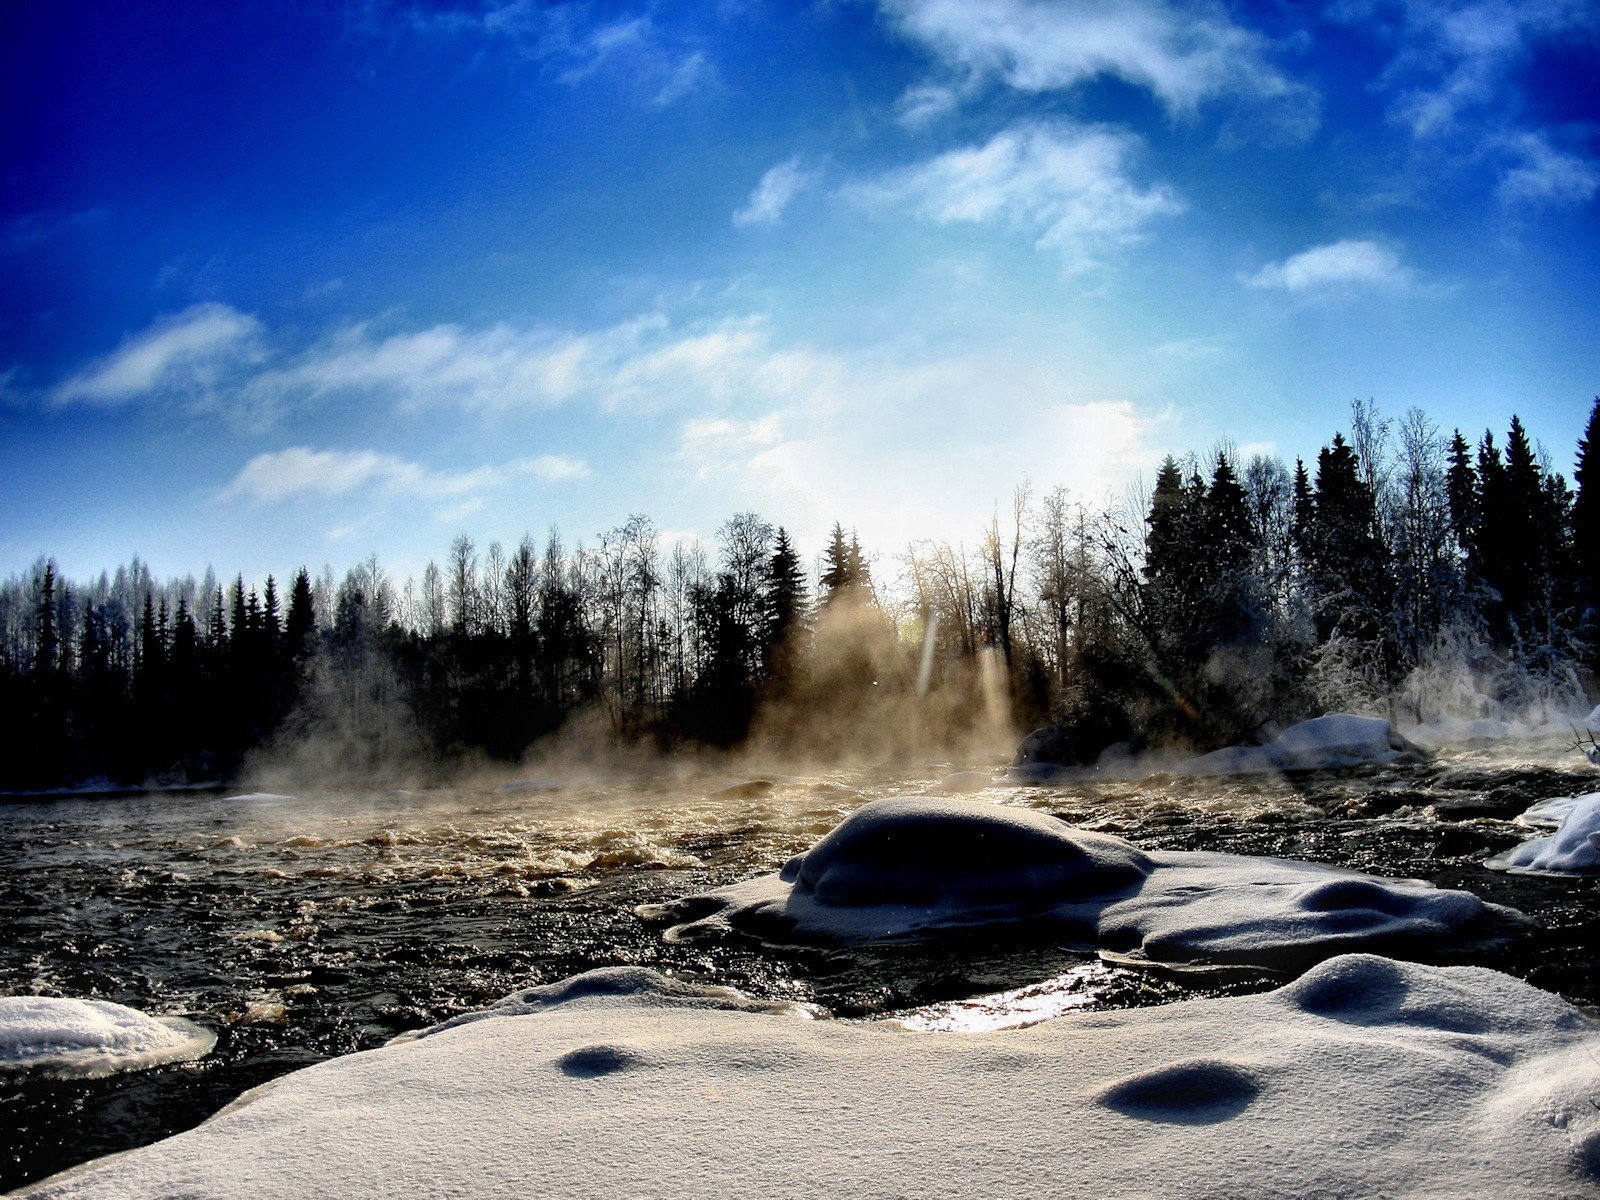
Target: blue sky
(299, 282)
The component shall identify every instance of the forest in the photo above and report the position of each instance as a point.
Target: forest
(1403, 573)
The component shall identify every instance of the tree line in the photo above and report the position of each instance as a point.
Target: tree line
(1401, 572)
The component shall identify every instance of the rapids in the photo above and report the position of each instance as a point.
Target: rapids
(300, 927)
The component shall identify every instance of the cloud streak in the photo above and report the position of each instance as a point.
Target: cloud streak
(1068, 186)
(1184, 54)
(773, 193)
(305, 473)
(572, 45)
(189, 352)
(1336, 266)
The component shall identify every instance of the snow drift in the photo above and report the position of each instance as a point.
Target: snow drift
(84, 1038)
(1322, 743)
(1366, 1077)
(1573, 849)
(917, 867)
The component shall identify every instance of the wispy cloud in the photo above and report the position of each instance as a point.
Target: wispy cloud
(302, 472)
(1336, 266)
(1069, 186)
(1544, 174)
(771, 196)
(1455, 57)
(572, 43)
(189, 352)
(1185, 54)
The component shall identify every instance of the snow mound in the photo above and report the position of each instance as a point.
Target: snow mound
(1364, 1078)
(1548, 814)
(1573, 849)
(1322, 743)
(86, 1038)
(255, 798)
(917, 867)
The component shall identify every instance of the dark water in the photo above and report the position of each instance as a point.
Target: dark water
(309, 927)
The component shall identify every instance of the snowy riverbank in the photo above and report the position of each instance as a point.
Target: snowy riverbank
(1365, 1077)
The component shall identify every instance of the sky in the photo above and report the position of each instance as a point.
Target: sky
(301, 282)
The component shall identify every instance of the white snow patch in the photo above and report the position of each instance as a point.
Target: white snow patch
(1548, 814)
(85, 1038)
(916, 867)
(1322, 743)
(1366, 1077)
(1573, 849)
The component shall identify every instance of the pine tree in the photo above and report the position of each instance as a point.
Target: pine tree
(301, 622)
(844, 574)
(1586, 530)
(47, 637)
(785, 603)
(1461, 486)
(1348, 565)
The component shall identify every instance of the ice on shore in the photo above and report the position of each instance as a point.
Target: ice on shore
(917, 866)
(1366, 1077)
(85, 1038)
(1573, 849)
(1548, 814)
(1322, 743)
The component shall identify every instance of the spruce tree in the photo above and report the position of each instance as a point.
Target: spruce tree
(785, 603)
(301, 621)
(1586, 530)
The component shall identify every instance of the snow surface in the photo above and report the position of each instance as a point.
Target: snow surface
(918, 866)
(1548, 814)
(82, 1038)
(1366, 1077)
(1322, 743)
(1573, 849)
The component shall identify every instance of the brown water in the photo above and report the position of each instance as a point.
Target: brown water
(326, 923)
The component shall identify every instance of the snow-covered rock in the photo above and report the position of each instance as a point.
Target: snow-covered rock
(917, 867)
(82, 1038)
(1573, 849)
(1548, 814)
(1322, 743)
(1366, 1077)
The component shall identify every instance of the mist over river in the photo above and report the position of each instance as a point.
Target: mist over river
(328, 922)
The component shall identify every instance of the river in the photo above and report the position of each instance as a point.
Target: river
(328, 922)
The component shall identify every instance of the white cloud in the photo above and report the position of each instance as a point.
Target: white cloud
(1545, 175)
(1453, 57)
(1067, 185)
(186, 352)
(573, 45)
(1184, 53)
(1335, 266)
(301, 472)
(773, 193)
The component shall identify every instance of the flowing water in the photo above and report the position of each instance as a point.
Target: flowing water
(301, 928)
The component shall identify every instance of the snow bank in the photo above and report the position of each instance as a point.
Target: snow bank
(917, 867)
(1365, 1078)
(1548, 814)
(83, 1038)
(1322, 743)
(1573, 849)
